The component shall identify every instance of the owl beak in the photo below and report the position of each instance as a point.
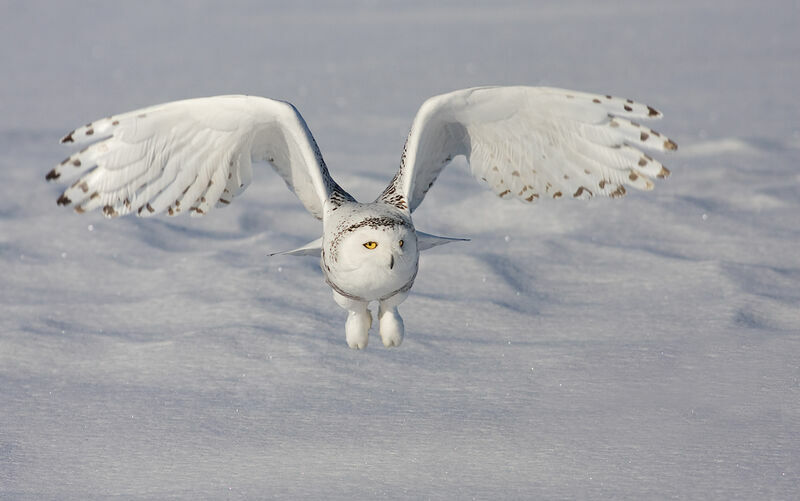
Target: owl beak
(391, 262)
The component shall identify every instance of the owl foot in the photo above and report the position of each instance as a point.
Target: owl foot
(356, 328)
(391, 327)
(359, 320)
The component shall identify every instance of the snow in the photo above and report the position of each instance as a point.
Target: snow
(642, 348)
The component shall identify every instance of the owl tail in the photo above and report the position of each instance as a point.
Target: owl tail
(427, 241)
(310, 249)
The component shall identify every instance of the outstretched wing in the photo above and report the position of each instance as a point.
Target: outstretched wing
(192, 155)
(531, 142)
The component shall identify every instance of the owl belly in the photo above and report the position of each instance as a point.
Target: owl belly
(369, 282)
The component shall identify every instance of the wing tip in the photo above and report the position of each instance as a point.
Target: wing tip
(68, 138)
(619, 192)
(110, 212)
(148, 208)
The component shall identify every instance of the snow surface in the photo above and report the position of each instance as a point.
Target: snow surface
(642, 348)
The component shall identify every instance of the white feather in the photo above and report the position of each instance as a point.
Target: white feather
(163, 157)
(532, 142)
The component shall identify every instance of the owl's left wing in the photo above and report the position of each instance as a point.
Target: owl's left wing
(531, 142)
(192, 155)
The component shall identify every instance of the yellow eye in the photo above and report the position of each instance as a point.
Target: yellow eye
(370, 245)
(401, 243)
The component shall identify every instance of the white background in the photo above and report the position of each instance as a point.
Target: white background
(642, 348)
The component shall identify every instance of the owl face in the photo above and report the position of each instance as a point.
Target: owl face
(373, 258)
(379, 248)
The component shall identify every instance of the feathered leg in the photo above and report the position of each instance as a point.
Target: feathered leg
(359, 320)
(391, 324)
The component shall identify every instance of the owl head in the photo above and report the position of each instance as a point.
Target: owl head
(379, 244)
(373, 256)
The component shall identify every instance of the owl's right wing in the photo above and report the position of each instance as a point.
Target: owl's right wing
(531, 142)
(192, 155)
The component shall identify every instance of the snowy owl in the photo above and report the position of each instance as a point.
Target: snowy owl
(524, 142)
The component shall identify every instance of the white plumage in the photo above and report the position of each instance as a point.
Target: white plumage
(524, 142)
(191, 155)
